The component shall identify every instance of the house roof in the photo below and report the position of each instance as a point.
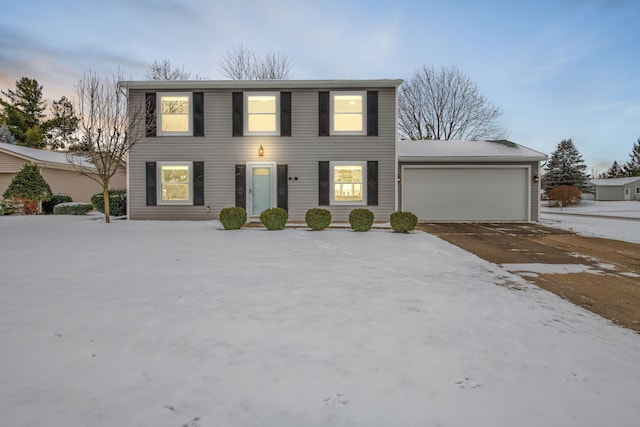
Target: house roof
(614, 182)
(469, 151)
(45, 158)
(257, 84)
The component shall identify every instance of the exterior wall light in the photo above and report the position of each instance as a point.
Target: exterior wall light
(261, 151)
(535, 178)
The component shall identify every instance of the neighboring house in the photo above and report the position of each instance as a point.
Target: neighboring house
(54, 168)
(475, 181)
(627, 188)
(295, 144)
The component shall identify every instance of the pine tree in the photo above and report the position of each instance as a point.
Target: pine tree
(61, 129)
(23, 110)
(6, 136)
(615, 171)
(632, 167)
(27, 188)
(566, 167)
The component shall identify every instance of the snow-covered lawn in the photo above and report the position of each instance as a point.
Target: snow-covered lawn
(183, 324)
(612, 220)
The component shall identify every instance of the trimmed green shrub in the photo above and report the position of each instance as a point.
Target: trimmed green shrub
(56, 199)
(318, 218)
(361, 219)
(1, 210)
(72, 208)
(403, 222)
(233, 218)
(117, 202)
(274, 218)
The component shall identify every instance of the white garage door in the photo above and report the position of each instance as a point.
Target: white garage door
(466, 194)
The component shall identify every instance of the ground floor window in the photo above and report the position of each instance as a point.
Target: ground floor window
(347, 183)
(175, 183)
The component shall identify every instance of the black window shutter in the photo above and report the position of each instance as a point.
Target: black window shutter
(323, 183)
(151, 183)
(241, 184)
(372, 183)
(372, 113)
(323, 116)
(198, 114)
(283, 187)
(237, 101)
(198, 183)
(150, 114)
(285, 113)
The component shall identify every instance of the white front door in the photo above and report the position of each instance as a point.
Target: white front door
(627, 194)
(261, 187)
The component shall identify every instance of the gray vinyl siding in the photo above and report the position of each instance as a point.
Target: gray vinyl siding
(302, 151)
(535, 187)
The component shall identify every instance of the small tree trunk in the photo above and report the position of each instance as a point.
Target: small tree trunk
(105, 193)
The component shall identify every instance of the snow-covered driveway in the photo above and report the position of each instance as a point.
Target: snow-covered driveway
(183, 324)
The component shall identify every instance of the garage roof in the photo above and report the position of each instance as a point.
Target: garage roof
(614, 182)
(468, 151)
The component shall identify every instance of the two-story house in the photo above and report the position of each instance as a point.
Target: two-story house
(206, 145)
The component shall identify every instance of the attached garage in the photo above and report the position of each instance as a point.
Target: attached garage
(469, 181)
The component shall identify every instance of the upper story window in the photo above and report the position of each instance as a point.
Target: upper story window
(262, 113)
(348, 113)
(175, 113)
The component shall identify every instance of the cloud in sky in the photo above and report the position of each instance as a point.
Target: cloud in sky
(558, 69)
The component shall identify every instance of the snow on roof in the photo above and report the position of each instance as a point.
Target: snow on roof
(444, 151)
(257, 84)
(40, 156)
(614, 182)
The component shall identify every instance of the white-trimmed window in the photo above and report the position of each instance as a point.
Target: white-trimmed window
(175, 113)
(348, 113)
(348, 183)
(262, 113)
(175, 183)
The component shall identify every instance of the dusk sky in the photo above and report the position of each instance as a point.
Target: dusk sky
(556, 68)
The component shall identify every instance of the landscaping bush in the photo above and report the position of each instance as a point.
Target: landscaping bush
(72, 208)
(361, 219)
(274, 218)
(1, 210)
(56, 199)
(25, 190)
(117, 202)
(566, 195)
(403, 222)
(233, 218)
(317, 218)
(20, 206)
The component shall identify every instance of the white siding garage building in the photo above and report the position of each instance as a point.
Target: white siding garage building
(469, 181)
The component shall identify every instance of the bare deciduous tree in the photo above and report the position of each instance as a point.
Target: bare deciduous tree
(104, 114)
(243, 64)
(162, 70)
(445, 105)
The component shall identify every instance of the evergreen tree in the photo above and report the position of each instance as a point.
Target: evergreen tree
(632, 167)
(6, 136)
(615, 171)
(61, 129)
(23, 111)
(28, 184)
(566, 167)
